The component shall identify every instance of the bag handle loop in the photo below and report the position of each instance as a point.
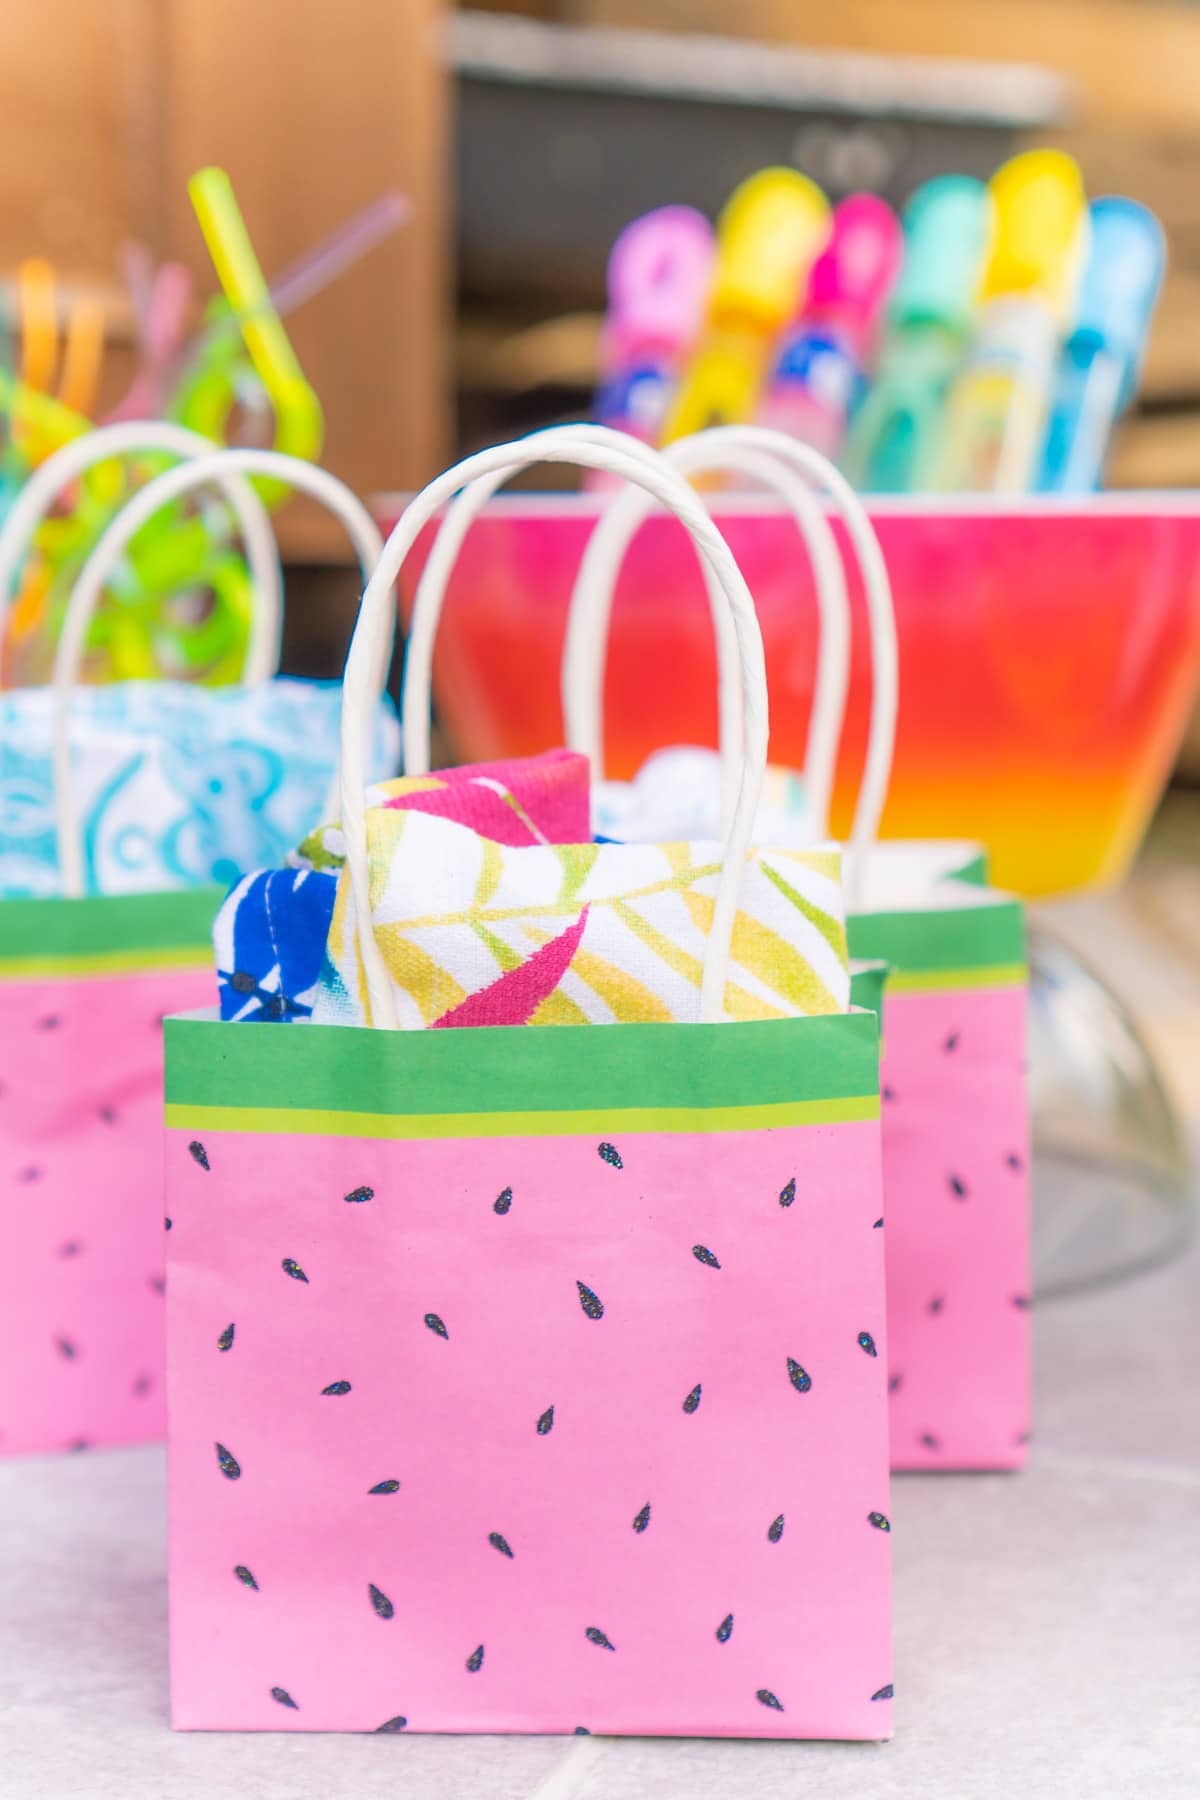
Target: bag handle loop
(590, 612)
(214, 466)
(740, 448)
(591, 447)
(135, 437)
(430, 597)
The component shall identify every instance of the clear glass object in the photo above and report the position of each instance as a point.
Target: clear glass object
(1113, 1186)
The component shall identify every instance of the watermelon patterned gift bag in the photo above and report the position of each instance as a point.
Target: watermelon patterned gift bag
(84, 985)
(86, 978)
(528, 1378)
(956, 1156)
(955, 1133)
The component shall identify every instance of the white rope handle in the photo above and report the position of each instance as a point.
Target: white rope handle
(591, 447)
(216, 466)
(590, 612)
(138, 436)
(728, 447)
(429, 599)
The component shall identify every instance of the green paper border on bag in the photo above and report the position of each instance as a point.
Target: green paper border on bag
(107, 934)
(935, 947)
(354, 1082)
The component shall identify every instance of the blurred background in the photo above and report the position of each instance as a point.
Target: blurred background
(525, 134)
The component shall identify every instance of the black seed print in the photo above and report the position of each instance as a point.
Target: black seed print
(788, 1193)
(1013, 1160)
(894, 1383)
(284, 1698)
(142, 1385)
(291, 1267)
(380, 1601)
(79, 1444)
(879, 1520)
(66, 1348)
(705, 1256)
(225, 1341)
(883, 1693)
(198, 1153)
(245, 1577)
(936, 1304)
(502, 1202)
(1022, 1301)
(958, 1186)
(887, 1093)
(436, 1325)
(499, 1543)
(546, 1422)
(357, 1195)
(51, 1022)
(107, 1114)
(930, 1441)
(475, 1660)
(32, 1173)
(337, 1387)
(390, 1486)
(766, 1698)
(611, 1155)
(231, 1468)
(725, 1629)
(581, 1731)
(878, 1225)
(867, 1342)
(643, 1518)
(396, 1724)
(800, 1378)
(594, 1635)
(951, 1042)
(158, 1283)
(775, 1530)
(166, 1224)
(241, 982)
(591, 1303)
(70, 1248)
(693, 1400)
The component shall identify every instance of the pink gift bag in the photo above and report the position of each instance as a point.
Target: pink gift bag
(84, 985)
(85, 981)
(956, 1157)
(956, 1127)
(530, 1379)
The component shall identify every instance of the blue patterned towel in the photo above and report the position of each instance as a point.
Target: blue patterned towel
(176, 785)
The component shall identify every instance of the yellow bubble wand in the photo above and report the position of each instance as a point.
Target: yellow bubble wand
(209, 394)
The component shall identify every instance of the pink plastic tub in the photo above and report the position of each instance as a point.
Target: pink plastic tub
(1049, 655)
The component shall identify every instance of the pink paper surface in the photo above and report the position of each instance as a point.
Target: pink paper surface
(81, 1308)
(454, 1419)
(957, 1204)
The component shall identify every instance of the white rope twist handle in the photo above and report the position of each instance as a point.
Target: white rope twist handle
(430, 596)
(590, 612)
(216, 466)
(595, 448)
(139, 436)
(730, 447)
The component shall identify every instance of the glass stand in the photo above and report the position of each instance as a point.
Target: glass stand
(1113, 1184)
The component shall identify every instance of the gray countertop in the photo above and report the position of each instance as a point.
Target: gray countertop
(1047, 1625)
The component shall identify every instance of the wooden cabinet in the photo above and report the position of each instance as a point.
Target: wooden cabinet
(314, 108)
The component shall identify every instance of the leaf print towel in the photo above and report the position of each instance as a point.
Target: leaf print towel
(270, 933)
(474, 932)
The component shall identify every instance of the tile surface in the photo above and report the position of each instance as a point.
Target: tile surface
(1046, 1624)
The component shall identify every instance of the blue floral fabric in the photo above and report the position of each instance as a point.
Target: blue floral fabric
(270, 942)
